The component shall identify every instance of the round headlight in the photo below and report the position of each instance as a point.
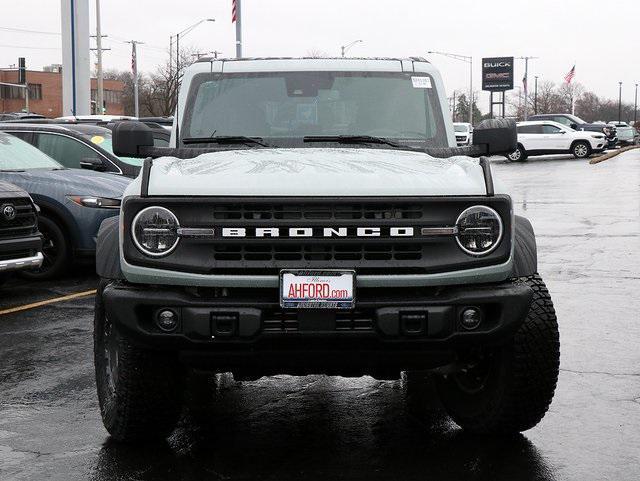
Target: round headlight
(155, 231)
(479, 230)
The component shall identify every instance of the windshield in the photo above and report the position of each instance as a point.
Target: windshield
(576, 120)
(16, 154)
(104, 140)
(460, 128)
(293, 105)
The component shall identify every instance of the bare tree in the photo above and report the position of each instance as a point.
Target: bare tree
(570, 93)
(549, 100)
(161, 94)
(316, 53)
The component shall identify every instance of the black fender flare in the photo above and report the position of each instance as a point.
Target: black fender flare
(108, 249)
(525, 254)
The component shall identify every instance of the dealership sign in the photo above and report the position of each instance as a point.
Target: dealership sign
(497, 74)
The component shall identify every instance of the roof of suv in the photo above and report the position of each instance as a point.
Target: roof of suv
(81, 129)
(245, 59)
(548, 115)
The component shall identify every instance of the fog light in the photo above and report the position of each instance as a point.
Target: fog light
(470, 318)
(167, 320)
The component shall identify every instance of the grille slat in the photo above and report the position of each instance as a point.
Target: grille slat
(293, 252)
(318, 212)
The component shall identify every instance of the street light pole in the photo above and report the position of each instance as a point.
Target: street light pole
(467, 59)
(177, 37)
(100, 75)
(344, 48)
(620, 102)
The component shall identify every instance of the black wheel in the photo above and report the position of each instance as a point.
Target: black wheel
(55, 249)
(581, 149)
(518, 155)
(139, 391)
(509, 389)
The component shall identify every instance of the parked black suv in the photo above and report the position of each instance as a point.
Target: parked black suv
(577, 123)
(20, 241)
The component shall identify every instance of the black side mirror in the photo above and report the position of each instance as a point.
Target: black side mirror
(92, 164)
(130, 137)
(496, 136)
(574, 126)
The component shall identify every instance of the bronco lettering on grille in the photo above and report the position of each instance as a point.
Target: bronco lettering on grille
(292, 232)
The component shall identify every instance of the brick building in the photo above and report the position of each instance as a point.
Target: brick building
(45, 93)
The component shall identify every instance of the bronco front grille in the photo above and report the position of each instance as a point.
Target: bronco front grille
(249, 254)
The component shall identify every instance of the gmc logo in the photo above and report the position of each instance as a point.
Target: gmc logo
(293, 232)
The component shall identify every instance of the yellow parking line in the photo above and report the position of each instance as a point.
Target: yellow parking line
(48, 301)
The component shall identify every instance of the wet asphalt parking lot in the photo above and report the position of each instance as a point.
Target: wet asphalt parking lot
(587, 221)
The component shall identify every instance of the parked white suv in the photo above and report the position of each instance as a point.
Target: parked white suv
(546, 137)
(626, 133)
(464, 133)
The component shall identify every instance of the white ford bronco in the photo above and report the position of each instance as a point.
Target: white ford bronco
(314, 216)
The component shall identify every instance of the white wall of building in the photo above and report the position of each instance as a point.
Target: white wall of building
(76, 79)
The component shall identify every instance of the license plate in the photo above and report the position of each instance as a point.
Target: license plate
(301, 289)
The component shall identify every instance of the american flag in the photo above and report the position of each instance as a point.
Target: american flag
(569, 77)
(134, 60)
(233, 11)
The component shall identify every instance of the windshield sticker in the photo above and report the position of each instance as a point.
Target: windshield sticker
(97, 139)
(421, 82)
(307, 113)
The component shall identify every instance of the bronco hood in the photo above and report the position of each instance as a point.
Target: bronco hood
(315, 172)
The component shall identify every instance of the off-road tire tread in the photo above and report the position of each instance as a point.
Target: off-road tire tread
(530, 378)
(148, 400)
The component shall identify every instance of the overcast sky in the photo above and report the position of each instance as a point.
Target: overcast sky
(601, 38)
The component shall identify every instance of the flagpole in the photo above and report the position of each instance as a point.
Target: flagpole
(134, 71)
(238, 17)
(573, 97)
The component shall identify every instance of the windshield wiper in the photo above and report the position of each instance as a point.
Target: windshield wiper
(225, 139)
(354, 139)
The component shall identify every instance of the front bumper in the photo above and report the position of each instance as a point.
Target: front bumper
(32, 262)
(246, 330)
(20, 253)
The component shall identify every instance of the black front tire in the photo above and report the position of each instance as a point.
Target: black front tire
(139, 391)
(518, 155)
(55, 249)
(509, 389)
